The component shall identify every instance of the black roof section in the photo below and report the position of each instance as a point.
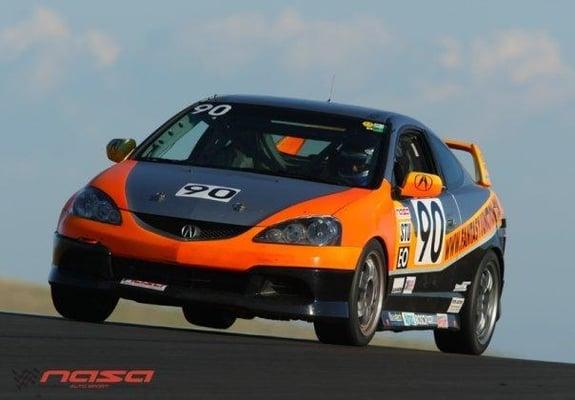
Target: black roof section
(316, 106)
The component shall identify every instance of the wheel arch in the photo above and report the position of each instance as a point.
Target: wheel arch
(499, 253)
(380, 240)
(383, 245)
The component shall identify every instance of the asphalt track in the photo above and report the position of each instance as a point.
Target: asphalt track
(206, 365)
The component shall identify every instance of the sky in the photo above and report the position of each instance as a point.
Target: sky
(74, 75)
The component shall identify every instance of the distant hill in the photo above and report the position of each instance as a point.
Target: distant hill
(24, 297)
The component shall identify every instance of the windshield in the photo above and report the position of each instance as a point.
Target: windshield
(272, 141)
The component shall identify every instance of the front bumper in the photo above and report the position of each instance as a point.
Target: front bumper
(264, 291)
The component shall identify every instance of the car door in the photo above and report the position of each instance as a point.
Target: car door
(425, 221)
(470, 197)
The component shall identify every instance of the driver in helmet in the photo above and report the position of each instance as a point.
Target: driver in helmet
(353, 163)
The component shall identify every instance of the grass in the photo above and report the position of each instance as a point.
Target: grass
(29, 298)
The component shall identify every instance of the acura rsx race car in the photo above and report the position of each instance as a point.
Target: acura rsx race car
(355, 219)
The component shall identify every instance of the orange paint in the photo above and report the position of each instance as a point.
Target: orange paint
(364, 215)
(481, 173)
(290, 145)
(421, 185)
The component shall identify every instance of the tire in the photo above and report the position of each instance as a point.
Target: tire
(365, 302)
(209, 317)
(479, 313)
(83, 304)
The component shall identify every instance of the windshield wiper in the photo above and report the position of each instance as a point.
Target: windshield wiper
(245, 169)
(286, 175)
(163, 160)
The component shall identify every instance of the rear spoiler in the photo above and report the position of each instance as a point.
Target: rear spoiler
(481, 174)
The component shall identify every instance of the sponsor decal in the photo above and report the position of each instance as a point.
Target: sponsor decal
(212, 110)
(409, 284)
(395, 317)
(402, 257)
(420, 319)
(442, 321)
(402, 212)
(143, 284)
(207, 192)
(455, 305)
(430, 231)
(425, 319)
(373, 126)
(397, 285)
(461, 287)
(405, 232)
(408, 319)
(472, 231)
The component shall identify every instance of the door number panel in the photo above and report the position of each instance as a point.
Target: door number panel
(430, 221)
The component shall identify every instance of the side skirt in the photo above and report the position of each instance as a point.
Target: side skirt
(398, 321)
(420, 311)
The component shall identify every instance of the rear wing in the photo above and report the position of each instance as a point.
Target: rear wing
(481, 173)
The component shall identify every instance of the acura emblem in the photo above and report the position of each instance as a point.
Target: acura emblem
(190, 231)
(423, 182)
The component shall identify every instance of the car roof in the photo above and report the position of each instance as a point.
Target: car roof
(327, 107)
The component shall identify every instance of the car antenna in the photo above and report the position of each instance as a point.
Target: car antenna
(331, 88)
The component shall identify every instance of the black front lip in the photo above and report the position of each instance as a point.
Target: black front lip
(299, 293)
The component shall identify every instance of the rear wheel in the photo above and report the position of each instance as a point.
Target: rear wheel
(83, 304)
(209, 317)
(365, 302)
(479, 313)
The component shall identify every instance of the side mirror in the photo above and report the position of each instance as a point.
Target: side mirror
(420, 184)
(119, 149)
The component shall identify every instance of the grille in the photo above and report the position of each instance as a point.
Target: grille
(169, 274)
(202, 230)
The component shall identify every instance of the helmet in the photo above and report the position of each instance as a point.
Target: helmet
(353, 163)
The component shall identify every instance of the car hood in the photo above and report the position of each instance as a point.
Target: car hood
(171, 190)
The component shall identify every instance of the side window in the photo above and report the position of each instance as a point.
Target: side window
(411, 155)
(451, 168)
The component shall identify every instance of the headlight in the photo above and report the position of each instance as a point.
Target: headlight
(94, 204)
(314, 231)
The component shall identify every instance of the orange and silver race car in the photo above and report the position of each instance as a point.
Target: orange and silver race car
(355, 219)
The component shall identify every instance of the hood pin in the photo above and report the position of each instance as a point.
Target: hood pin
(239, 207)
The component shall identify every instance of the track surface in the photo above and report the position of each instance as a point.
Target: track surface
(202, 365)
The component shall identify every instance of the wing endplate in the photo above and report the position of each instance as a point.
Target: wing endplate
(481, 173)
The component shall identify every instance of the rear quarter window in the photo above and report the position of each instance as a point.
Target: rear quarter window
(453, 172)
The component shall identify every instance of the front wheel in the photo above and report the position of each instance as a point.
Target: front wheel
(479, 314)
(365, 302)
(82, 304)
